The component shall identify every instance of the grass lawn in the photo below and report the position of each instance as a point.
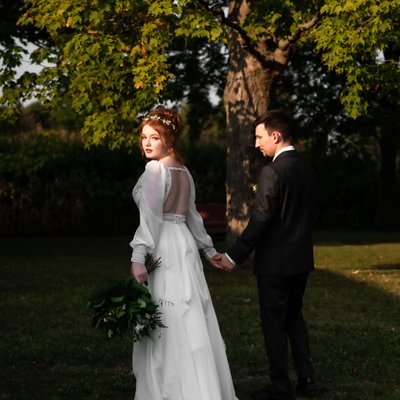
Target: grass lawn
(48, 351)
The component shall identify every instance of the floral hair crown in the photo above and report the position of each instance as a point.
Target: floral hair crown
(160, 119)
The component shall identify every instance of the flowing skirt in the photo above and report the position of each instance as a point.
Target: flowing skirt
(187, 359)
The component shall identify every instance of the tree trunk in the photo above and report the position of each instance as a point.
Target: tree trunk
(246, 97)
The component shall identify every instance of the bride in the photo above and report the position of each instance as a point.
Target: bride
(187, 359)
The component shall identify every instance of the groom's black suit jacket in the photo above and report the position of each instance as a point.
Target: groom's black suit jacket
(280, 227)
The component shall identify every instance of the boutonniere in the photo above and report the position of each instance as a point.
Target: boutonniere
(254, 187)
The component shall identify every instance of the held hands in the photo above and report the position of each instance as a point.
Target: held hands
(221, 261)
(139, 272)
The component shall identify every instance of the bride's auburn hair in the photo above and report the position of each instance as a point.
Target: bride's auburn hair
(168, 123)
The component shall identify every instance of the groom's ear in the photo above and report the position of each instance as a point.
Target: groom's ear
(277, 137)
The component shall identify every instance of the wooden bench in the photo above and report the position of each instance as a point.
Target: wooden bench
(214, 216)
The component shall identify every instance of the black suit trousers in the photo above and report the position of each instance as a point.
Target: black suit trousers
(281, 301)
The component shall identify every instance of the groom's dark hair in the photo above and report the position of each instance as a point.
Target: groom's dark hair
(276, 120)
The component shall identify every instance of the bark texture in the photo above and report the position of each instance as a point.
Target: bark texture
(251, 75)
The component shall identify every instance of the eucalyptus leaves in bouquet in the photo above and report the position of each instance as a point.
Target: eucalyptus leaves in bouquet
(118, 308)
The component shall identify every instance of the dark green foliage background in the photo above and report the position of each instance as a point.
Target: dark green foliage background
(52, 185)
(346, 192)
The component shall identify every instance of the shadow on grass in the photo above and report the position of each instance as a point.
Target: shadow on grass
(354, 331)
(49, 352)
(386, 267)
(354, 328)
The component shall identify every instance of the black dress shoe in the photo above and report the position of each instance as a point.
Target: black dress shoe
(306, 386)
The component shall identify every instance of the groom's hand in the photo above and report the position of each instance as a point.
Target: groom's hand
(225, 264)
(221, 261)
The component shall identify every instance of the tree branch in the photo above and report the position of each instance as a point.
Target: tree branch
(283, 44)
(248, 43)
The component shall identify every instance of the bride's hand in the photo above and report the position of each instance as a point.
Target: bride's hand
(214, 261)
(139, 272)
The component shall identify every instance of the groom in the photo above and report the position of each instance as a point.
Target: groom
(280, 232)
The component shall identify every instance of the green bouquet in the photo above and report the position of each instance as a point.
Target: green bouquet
(118, 308)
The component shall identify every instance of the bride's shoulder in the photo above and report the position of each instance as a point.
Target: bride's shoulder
(154, 172)
(171, 162)
(154, 166)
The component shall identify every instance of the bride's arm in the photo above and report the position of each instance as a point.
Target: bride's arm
(196, 225)
(150, 204)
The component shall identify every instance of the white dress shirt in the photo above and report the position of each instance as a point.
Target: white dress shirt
(287, 148)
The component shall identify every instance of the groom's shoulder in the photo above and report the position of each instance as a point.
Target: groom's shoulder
(291, 164)
(268, 169)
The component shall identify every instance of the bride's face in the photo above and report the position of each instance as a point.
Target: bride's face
(152, 144)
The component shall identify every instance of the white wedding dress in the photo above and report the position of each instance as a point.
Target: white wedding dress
(187, 359)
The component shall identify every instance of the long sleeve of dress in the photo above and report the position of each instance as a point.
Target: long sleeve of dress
(149, 196)
(195, 224)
